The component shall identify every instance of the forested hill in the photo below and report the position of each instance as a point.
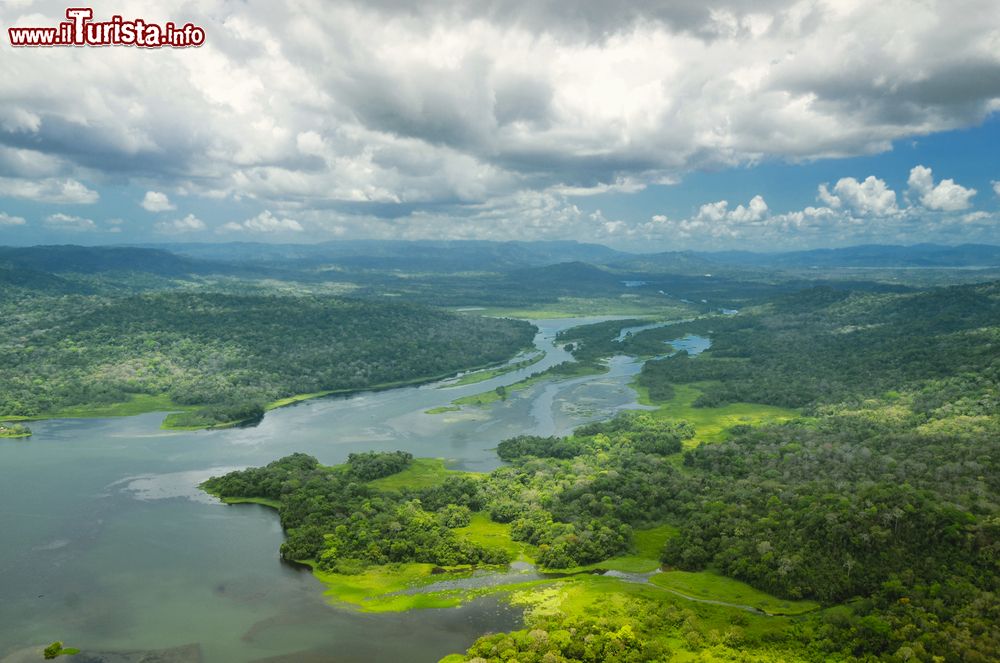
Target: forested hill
(825, 346)
(230, 352)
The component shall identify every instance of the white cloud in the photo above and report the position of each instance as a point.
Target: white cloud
(8, 220)
(976, 217)
(48, 190)
(469, 105)
(719, 211)
(154, 201)
(265, 222)
(872, 197)
(754, 211)
(68, 222)
(189, 223)
(946, 196)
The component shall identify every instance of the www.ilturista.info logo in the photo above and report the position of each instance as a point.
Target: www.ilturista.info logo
(81, 30)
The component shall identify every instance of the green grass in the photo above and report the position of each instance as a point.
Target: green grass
(374, 589)
(443, 409)
(647, 547)
(576, 369)
(711, 423)
(649, 543)
(490, 373)
(489, 534)
(596, 596)
(712, 586)
(422, 473)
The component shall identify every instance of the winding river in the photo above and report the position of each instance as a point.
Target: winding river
(108, 545)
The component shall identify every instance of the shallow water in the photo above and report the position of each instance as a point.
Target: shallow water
(107, 544)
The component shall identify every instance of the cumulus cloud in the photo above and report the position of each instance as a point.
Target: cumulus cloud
(945, 196)
(458, 106)
(189, 223)
(872, 197)
(265, 222)
(154, 201)
(8, 220)
(48, 190)
(719, 211)
(68, 222)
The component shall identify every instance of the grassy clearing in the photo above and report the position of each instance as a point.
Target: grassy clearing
(596, 596)
(711, 423)
(647, 546)
(487, 533)
(649, 543)
(715, 587)
(422, 473)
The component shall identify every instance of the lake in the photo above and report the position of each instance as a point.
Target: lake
(109, 545)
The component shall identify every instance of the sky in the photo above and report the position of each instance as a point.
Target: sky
(642, 125)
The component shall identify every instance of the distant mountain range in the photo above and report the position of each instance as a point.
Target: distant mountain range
(433, 256)
(868, 255)
(522, 260)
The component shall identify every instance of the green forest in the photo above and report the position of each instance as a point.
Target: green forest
(226, 357)
(864, 528)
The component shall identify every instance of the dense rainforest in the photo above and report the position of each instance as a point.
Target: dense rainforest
(880, 502)
(228, 354)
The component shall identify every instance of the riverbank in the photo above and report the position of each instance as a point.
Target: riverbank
(147, 403)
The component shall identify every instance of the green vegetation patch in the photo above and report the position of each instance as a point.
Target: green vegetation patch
(227, 355)
(377, 588)
(421, 473)
(263, 501)
(490, 373)
(592, 618)
(708, 585)
(442, 409)
(490, 534)
(56, 649)
(10, 430)
(711, 423)
(567, 369)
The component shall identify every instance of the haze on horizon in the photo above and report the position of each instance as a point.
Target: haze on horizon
(644, 126)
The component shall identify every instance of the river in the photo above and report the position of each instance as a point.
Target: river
(107, 544)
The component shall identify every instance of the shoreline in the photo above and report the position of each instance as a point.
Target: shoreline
(146, 403)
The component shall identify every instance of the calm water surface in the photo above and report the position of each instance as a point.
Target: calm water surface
(107, 544)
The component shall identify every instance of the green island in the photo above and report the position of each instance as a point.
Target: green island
(780, 503)
(56, 649)
(473, 377)
(11, 430)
